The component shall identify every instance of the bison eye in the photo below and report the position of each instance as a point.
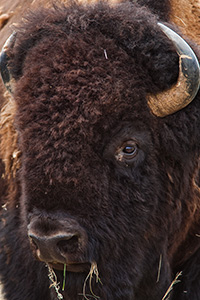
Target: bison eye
(127, 152)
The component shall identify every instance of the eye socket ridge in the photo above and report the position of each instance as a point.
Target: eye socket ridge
(127, 151)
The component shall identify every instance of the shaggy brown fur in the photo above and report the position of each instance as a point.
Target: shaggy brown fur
(186, 14)
(8, 145)
(82, 76)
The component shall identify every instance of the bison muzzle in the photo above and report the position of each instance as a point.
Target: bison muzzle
(59, 242)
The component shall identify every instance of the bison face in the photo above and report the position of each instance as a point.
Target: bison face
(97, 191)
(99, 205)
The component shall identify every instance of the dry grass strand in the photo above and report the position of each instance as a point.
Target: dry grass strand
(55, 284)
(159, 268)
(93, 270)
(175, 281)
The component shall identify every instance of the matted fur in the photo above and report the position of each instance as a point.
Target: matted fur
(82, 76)
(8, 145)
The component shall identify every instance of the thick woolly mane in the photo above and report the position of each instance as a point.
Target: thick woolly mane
(116, 26)
(161, 8)
(82, 75)
(55, 28)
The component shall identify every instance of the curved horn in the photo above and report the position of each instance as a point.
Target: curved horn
(4, 59)
(187, 86)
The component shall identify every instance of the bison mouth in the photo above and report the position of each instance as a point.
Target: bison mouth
(71, 267)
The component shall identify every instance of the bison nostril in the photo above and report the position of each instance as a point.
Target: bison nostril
(68, 245)
(33, 242)
(48, 247)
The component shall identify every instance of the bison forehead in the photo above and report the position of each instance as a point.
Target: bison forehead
(91, 74)
(76, 98)
(65, 47)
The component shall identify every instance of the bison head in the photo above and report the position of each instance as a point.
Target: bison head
(103, 180)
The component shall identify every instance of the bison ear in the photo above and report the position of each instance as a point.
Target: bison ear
(4, 61)
(187, 86)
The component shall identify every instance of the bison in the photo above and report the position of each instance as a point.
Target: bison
(100, 148)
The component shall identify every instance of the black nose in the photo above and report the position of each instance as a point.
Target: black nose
(57, 246)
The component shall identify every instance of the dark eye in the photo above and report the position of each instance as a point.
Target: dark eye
(127, 152)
